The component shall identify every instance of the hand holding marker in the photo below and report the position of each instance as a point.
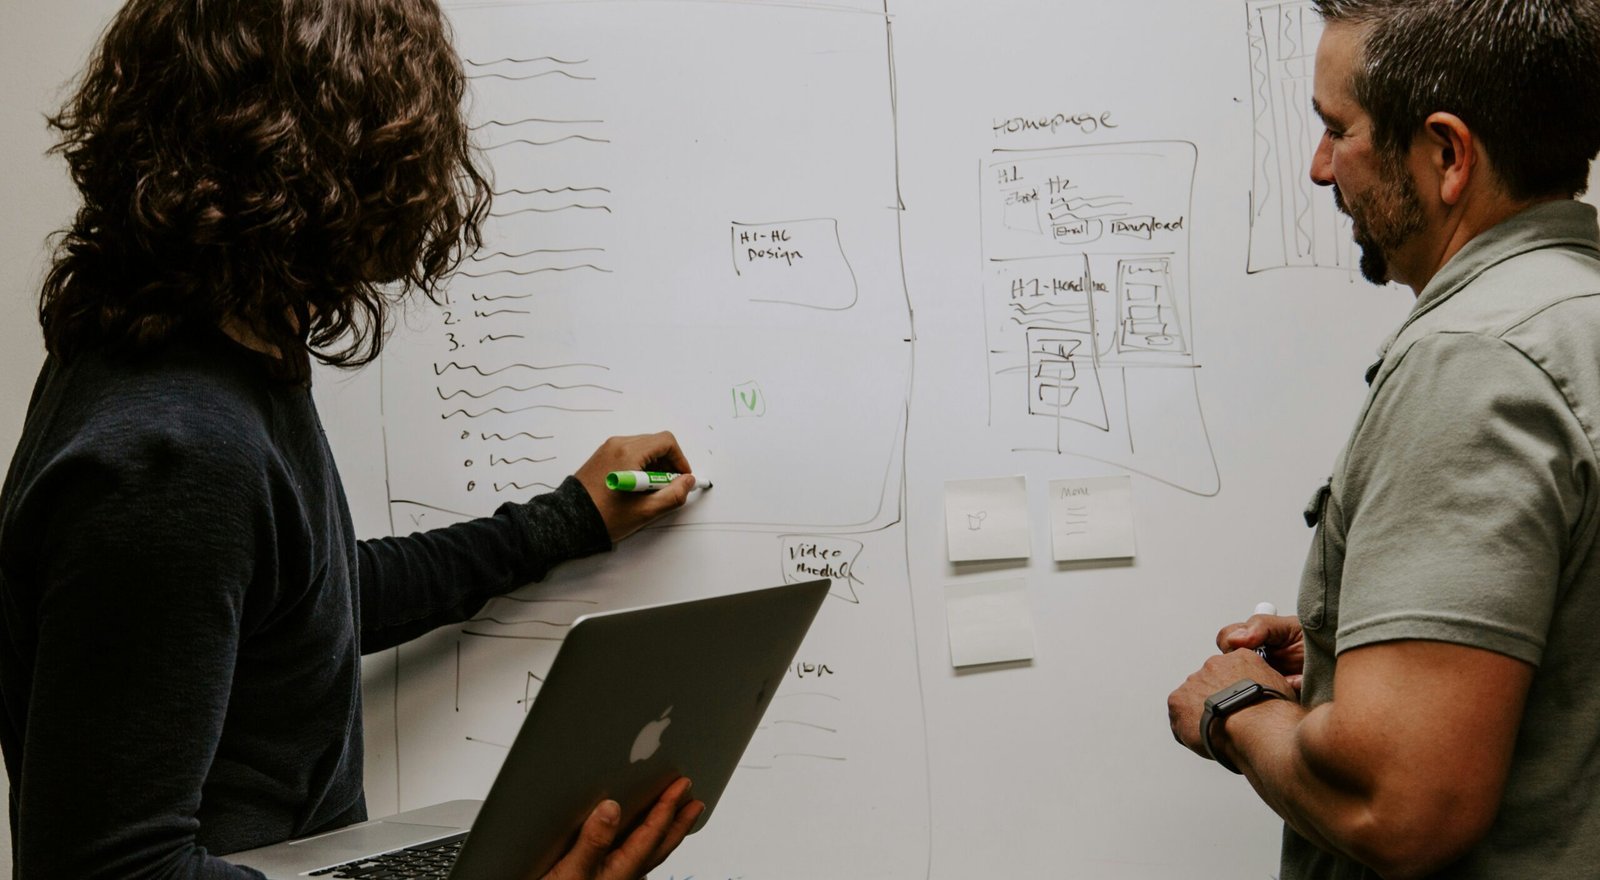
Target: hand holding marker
(1264, 608)
(647, 481)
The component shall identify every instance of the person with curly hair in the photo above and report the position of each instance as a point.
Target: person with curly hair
(183, 601)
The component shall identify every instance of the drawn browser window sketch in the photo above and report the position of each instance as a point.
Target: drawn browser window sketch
(1293, 222)
(699, 234)
(1086, 290)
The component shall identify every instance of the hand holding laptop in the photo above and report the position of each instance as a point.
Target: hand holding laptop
(593, 856)
(625, 718)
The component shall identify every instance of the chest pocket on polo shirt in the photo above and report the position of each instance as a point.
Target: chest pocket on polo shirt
(1321, 561)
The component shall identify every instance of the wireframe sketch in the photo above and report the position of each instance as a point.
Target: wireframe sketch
(798, 263)
(807, 557)
(1293, 222)
(605, 302)
(1086, 293)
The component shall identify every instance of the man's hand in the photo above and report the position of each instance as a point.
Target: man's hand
(1280, 635)
(593, 857)
(626, 512)
(1187, 703)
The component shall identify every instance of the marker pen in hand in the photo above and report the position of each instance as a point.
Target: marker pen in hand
(1265, 608)
(647, 481)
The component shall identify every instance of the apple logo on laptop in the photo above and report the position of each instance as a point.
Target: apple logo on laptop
(648, 742)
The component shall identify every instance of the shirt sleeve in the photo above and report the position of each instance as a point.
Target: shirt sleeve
(1465, 494)
(414, 584)
(139, 618)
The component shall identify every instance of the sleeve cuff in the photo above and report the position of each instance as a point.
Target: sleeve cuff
(1454, 629)
(561, 525)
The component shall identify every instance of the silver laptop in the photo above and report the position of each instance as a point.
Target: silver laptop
(634, 700)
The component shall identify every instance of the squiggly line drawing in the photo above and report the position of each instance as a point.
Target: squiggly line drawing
(472, 63)
(511, 412)
(807, 724)
(504, 439)
(520, 622)
(534, 210)
(526, 78)
(590, 266)
(493, 123)
(492, 254)
(1041, 322)
(484, 297)
(1042, 308)
(440, 371)
(533, 143)
(519, 388)
(1093, 202)
(521, 487)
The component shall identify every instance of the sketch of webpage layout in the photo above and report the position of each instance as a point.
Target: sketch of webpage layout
(1086, 291)
(696, 234)
(696, 228)
(1293, 222)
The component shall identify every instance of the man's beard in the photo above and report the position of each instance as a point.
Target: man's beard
(1383, 219)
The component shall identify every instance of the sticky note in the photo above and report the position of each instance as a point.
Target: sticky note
(987, 519)
(989, 622)
(1092, 518)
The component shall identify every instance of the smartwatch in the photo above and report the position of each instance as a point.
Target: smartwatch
(1227, 701)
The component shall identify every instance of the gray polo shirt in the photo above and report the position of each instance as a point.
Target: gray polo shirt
(1463, 510)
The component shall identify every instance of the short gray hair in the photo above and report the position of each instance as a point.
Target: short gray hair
(1523, 74)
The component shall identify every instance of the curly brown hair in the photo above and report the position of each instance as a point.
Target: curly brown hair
(292, 166)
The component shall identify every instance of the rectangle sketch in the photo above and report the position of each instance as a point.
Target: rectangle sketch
(1293, 222)
(605, 302)
(1088, 310)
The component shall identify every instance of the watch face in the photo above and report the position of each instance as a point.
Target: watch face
(1235, 696)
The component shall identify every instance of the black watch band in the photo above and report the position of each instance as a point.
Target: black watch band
(1227, 701)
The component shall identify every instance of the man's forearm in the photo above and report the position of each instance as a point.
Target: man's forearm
(1265, 743)
(1346, 792)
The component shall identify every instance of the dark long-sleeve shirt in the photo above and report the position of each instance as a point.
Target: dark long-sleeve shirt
(183, 606)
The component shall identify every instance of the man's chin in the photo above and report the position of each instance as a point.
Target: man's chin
(1374, 265)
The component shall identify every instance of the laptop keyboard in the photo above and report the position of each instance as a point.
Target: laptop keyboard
(429, 861)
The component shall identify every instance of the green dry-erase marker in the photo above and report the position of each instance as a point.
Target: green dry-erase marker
(646, 481)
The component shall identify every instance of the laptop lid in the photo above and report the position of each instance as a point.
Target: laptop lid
(634, 700)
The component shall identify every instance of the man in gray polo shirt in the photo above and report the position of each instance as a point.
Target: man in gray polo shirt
(1448, 717)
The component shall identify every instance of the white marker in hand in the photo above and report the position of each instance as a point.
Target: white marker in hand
(1265, 608)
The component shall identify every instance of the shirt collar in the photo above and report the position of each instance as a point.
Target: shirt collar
(1560, 223)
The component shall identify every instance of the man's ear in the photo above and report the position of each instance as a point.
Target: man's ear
(1452, 155)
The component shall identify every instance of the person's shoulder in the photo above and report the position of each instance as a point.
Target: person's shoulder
(1552, 289)
(1543, 304)
(186, 412)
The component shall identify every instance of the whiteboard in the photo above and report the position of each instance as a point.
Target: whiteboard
(848, 251)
